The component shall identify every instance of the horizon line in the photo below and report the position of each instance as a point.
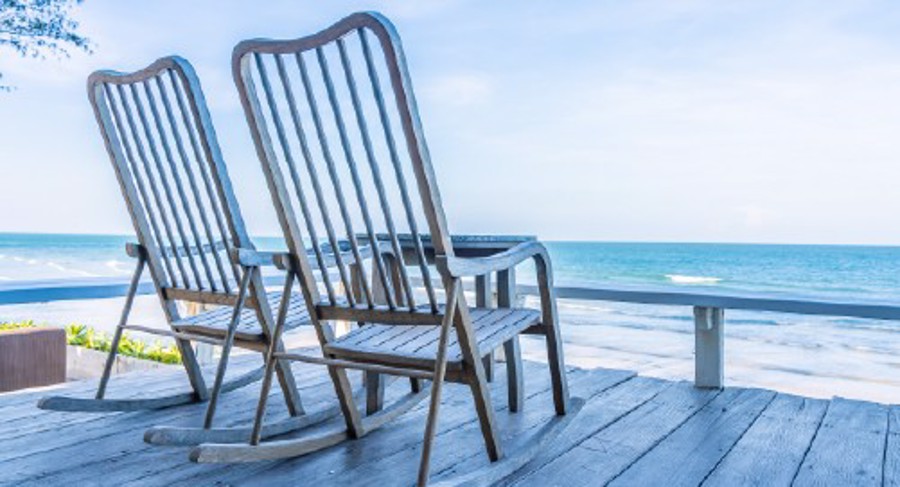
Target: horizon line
(610, 241)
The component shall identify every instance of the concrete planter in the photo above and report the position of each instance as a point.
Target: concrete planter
(84, 363)
(32, 357)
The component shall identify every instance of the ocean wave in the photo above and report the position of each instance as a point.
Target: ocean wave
(682, 279)
(80, 272)
(118, 266)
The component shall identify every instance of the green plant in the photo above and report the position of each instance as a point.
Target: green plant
(85, 336)
(16, 325)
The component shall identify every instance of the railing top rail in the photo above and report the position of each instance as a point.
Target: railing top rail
(733, 299)
(23, 292)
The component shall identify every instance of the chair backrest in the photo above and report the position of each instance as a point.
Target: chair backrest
(164, 150)
(335, 124)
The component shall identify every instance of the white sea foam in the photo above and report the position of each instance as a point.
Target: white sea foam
(80, 272)
(680, 279)
(118, 266)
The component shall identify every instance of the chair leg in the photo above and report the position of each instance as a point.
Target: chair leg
(481, 394)
(557, 371)
(555, 358)
(288, 384)
(256, 435)
(374, 392)
(550, 321)
(120, 328)
(275, 345)
(488, 364)
(192, 367)
(430, 429)
(226, 348)
(515, 384)
(345, 398)
(439, 372)
(110, 361)
(478, 383)
(484, 299)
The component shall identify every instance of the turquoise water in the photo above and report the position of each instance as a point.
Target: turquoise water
(829, 272)
(836, 271)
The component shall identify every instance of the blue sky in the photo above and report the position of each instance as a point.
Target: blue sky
(645, 120)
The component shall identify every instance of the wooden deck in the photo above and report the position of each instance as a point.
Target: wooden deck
(632, 431)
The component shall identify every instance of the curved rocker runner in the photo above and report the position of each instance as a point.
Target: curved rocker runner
(330, 170)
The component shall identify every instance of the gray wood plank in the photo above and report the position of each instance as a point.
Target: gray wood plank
(26, 418)
(689, 453)
(670, 295)
(634, 431)
(849, 446)
(111, 436)
(771, 451)
(603, 454)
(402, 433)
(602, 410)
(462, 445)
(891, 474)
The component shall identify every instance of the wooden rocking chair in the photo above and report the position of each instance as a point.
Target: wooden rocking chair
(161, 141)
(405, 331)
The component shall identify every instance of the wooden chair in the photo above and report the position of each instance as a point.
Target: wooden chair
(163, 147)
(349, 86)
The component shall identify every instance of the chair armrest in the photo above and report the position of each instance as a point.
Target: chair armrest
(135, 250)
(477, 266)
(257, 258)
(283, 261)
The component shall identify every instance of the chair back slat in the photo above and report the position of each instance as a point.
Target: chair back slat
(163, 209)
(217, 203)
(331, 90)
(351, 164)
(180, 201)
(295, 178)
(398, 173)
(193, 190)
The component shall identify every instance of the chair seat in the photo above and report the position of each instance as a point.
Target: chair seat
(416, 345)
(214, 323)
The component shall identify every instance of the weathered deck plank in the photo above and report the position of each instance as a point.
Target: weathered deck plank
(602, 455)
(688, 454)
(459, 439)
(849, 446)
(892, 450)
(403, 433)
(117, 435)
(771, 451)
(632, 431)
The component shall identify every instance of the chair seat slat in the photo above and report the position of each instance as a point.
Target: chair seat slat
(390, 344)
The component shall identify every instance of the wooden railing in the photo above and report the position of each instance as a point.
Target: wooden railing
(708, 307)
(709, 314)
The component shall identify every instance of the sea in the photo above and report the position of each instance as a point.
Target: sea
(834, 272)
(811, 355)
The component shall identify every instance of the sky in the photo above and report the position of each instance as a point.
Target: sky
(642, 120)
